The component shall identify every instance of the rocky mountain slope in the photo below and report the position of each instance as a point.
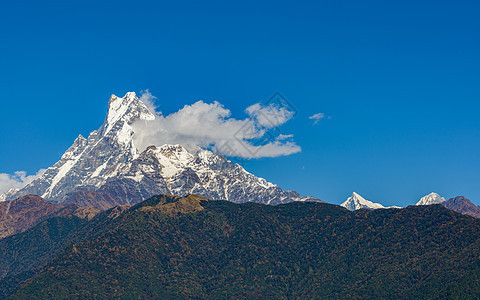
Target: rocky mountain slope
(172, 247)
(25, 212)
(19, 215)
(459, 204)
(106, 169)
(462, 205)
(8, 194)
(23, 254)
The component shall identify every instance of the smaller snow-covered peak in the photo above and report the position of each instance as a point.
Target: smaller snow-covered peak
(76, 148)
(80, 141)
(432, 198)
(358, 202)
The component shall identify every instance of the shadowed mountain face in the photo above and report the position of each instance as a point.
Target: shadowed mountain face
(173, 247)
(462, 205)
(19, 215)
(106, 169)
(25, 253)
(101, 199)
(25, 212)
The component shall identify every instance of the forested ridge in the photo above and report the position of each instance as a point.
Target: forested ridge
(171, 247)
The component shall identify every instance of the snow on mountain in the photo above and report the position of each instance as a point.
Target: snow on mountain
(7, 194)
(108, 162)
(432, 198)
(358, 202)
(90, 162)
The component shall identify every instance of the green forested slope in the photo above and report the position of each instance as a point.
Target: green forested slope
(168, 247)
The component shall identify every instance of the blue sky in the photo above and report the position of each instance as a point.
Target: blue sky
(400, 82)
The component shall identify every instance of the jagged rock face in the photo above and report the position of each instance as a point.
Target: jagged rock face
(88, 163)
(462, 205)
(107, 167)
(174, 170)
(19, 215)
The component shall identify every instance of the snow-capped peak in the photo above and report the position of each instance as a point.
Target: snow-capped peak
(358, 202)
(108, 162)
(432, 198)
(90, 162)
(127, 109)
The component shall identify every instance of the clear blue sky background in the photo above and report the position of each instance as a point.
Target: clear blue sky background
(401, 82)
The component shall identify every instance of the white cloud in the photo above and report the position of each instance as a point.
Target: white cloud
(284, 136)
(317, 117)
(210, 125)
(148, 99)
(18, 180)
(269, 116)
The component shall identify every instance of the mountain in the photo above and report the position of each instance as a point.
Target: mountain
(89, 163)
(107, 169)
(170, 247)
(358, 202)
(23, 254)
(459, 204)
(7, 194)
(462, 205)
(432, 198)
(25, 212)
(19, 215)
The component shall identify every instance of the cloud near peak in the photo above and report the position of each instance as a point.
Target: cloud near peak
(211, 126)
(18, 180)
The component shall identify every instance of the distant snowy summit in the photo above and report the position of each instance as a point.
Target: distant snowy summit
(432, 198)
(459, 204)
(358, 202)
